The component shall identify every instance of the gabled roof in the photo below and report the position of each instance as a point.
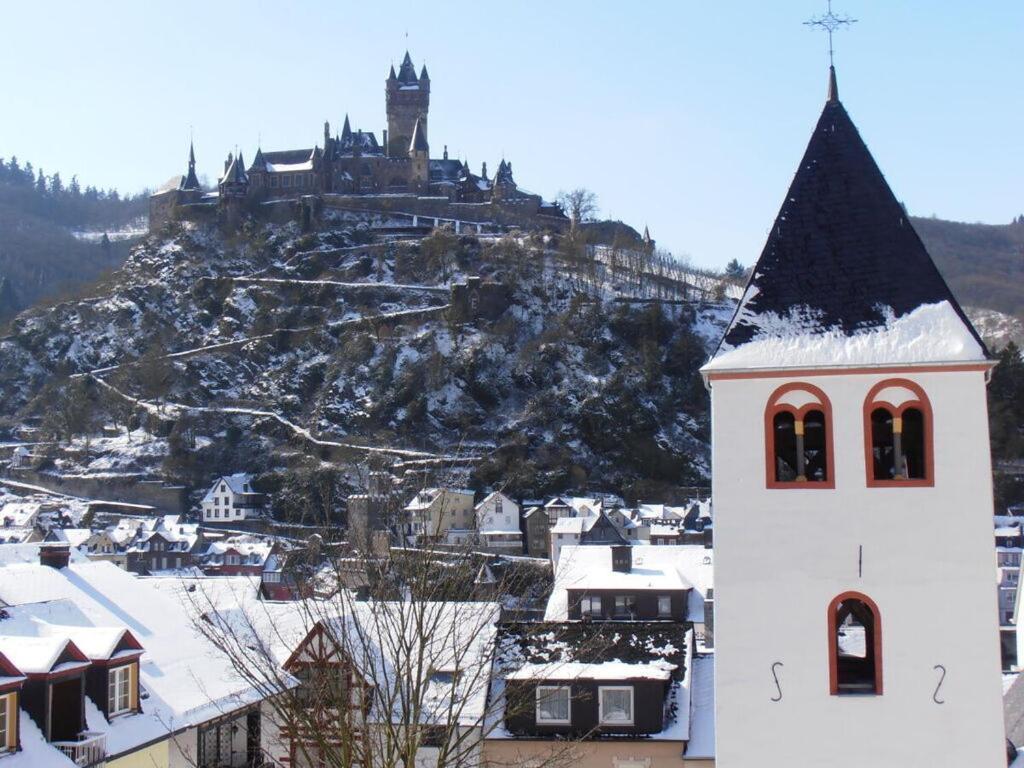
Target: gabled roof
(236, 483)
(41, 655)
(843, 278)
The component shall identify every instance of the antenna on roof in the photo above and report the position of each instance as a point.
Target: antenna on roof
(830, 22)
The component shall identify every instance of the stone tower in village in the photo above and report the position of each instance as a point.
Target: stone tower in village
(855, 614)
(408, 101)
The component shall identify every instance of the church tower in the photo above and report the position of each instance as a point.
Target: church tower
(408, 101)
(855, 600)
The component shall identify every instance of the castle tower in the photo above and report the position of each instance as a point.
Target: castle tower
(408, 101)
(855, 604)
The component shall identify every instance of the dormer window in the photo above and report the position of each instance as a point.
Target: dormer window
(8, 722)
(798, 438)
(898, 435)
(119, 690)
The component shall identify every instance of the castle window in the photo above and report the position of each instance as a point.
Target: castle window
(273, 182)
(798, 438)
(898, 435)
(855, 645)
(286, 181)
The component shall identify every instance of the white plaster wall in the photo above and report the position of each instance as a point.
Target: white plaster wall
(929, 564)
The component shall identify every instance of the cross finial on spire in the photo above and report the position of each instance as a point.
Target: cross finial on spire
(830, 22)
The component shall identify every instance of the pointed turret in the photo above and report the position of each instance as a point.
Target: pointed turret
(423, 74)
(407, 72)
(258, 163)
(191, 181)
(346, 130)
(419, 139)
(842, 261)
(391, 74)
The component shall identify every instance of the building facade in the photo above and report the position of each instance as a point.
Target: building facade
(848, 403)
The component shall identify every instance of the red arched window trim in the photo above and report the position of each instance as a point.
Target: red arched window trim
(923, 404)
(833, 645)
(774, 407)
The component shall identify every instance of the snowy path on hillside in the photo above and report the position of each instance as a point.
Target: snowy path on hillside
(170, 408)
(339, 284)
(223, 345)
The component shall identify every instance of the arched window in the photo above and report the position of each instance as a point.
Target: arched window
(798, 438)
(854, 645)
(898, 435)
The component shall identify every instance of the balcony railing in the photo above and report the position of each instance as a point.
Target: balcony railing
(89, 750)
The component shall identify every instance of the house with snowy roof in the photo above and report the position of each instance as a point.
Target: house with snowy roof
(848, 404)
(99, 667)
(638, 583)
(236, 555)
(497, 524)
(232, 499)
(163, 544)
(597, 693)
(394, 681)
(433, 512)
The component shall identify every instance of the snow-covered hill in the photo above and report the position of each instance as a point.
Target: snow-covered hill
(241, 351)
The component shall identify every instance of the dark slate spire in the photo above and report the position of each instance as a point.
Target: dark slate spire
(423, 72)
(346, 129)
(258, 163)
(391, 75)
(191, 181)
(842, 253)
(407, 72)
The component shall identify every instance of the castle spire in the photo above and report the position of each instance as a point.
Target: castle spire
(407, 72)
(346, 129)
(833, 87)
(423, 72)
(391, 75)
(191, 181)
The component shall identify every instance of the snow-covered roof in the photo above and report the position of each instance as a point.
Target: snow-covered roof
(289, 167)
(931, 333)
(702, 708)
(247, 546)
(605, 670)
(189, 680)
(35, 655)
(239, 484)
(576, 525)
(655, 566)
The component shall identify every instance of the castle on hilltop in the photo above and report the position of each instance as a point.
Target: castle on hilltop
(355, 171)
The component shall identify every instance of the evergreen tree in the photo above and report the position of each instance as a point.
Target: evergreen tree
(735, 271)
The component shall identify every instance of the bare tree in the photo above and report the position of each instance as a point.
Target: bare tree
(579, 203)
(393, 665)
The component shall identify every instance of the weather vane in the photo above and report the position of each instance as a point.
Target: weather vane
(830, 23)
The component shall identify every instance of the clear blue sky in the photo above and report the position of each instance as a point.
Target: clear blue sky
(687, 116)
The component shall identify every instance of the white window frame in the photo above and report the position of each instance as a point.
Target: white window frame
(116, 677)
(665, 614)
(601, 689)
(6, 700)
(541, 693)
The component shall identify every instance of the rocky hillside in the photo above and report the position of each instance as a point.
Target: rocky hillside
(349, 347)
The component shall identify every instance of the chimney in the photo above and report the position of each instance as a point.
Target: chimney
(56, 554)
(622, 558)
